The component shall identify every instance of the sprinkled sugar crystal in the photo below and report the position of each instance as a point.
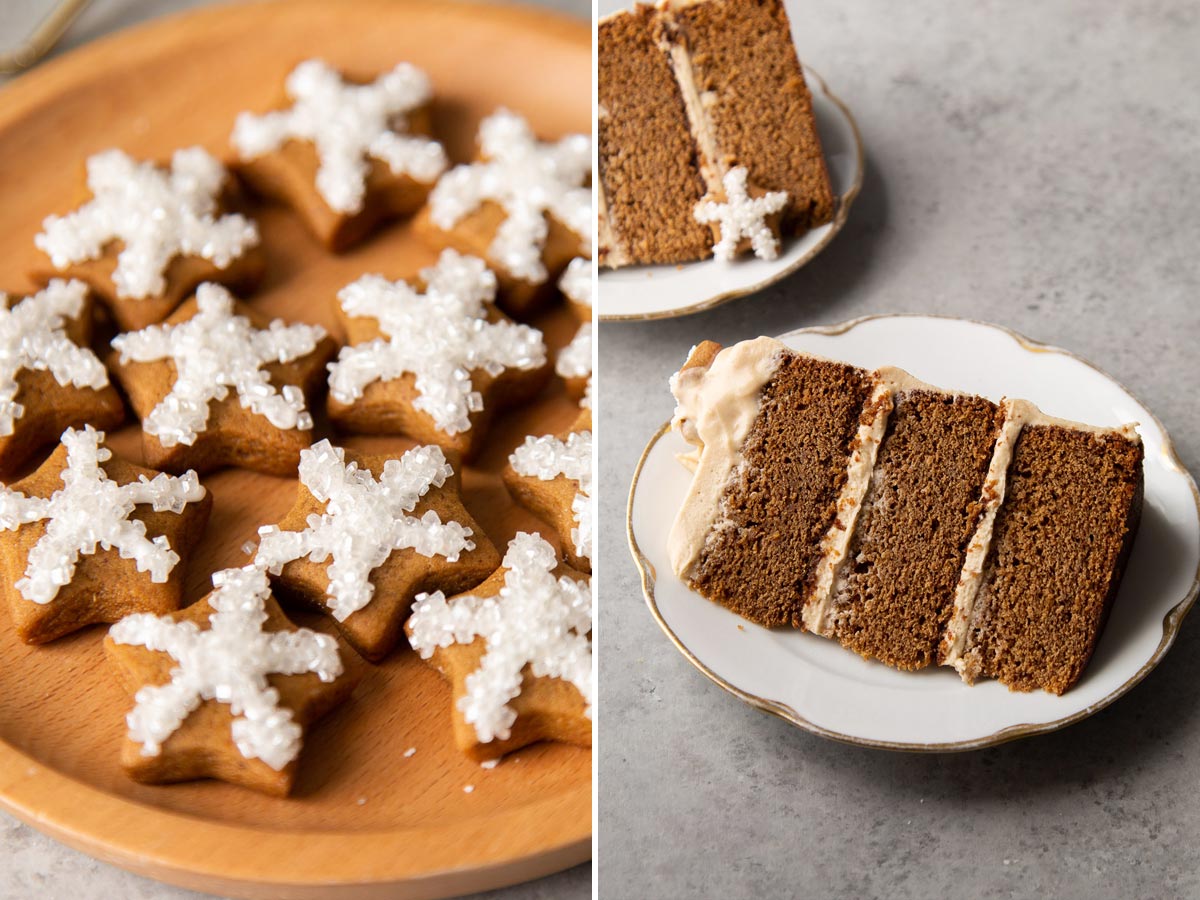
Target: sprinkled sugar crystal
(576, 281)
(528, 179)
(157, 215)
(546, 458)
(90, 510)
(536, 620)
(364, 521)
(32, 338)
(575, 360)
(348, 125)
(440, 336)
(229, 663)
(212, 352)
(741, 216)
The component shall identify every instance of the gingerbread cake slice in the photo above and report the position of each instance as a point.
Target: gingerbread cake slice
(894, 589)
(776, 433)
(912, 524)
(1047, 558)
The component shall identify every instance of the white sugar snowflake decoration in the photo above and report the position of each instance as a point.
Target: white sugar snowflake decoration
(742, 216)
(348, 125)
(32, 338)
(364, 522)
(157, 215)
(229, 662)
(440, 336)
(529, 180)
(547, 458)
(91, 510)
(575, 361)
(216, 350)
(576, 281)
(536, 620)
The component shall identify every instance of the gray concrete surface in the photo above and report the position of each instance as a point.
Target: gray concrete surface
(1031, 164)
(31, 864)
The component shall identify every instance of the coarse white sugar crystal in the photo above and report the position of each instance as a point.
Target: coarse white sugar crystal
(489, 763)
(91, 510)
(409, 752)
(575, 361)
(348, 125)
(364, 522)
(216, 350)
(576, 281)
(229, 662)
(546, 458)
(32, 338)
(440, 336)
(156, 214)
(529, 180)
(535, 620)
(742, 216)
(468, 788)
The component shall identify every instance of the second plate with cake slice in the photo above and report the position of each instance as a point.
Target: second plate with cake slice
(895, 483)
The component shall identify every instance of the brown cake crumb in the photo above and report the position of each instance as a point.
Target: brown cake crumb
(1061, 540)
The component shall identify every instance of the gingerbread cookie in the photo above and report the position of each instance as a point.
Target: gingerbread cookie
(217, 384)
(149, 235)
(345, 156)
(91, 538)
(225, 688)
(524, 206)
(576, 286)
(574, 366)
(552, 477)
(516, 650)
(436, 361)
(49, 379)
(368, 534)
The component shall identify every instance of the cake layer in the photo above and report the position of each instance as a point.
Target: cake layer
(760, 552)
(750, 104)
(1063, 529)
(895, 590)
(650, 180)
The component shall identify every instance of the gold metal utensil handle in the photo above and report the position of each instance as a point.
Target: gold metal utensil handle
(48, 33)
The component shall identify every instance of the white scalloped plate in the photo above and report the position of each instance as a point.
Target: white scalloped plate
(817, 685)
(660, 292)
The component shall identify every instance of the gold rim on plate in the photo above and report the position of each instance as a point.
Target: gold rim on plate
(845, 201)
(1171, 621)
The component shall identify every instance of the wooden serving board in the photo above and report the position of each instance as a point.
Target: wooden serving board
(365, 821)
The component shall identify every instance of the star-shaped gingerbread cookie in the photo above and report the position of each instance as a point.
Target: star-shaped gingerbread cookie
(435, 360)
(226, 688)
(516, 651)
(147, 235)
(218, 384)
(49, 378)
(368, 533)
(551, 476)
(90, 538)
(525, 206)
(345, 155)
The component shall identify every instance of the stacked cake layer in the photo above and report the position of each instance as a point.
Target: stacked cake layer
(914, 525)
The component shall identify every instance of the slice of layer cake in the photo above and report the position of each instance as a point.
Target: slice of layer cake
(692, 93)
(912, 524)
(1047, 559)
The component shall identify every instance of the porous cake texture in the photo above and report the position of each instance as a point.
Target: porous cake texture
(688, 91)
(914, 525)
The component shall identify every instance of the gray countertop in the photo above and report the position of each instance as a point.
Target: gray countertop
(31, 864)
(1031, 164)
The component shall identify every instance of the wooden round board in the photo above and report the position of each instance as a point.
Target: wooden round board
(364, 821)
